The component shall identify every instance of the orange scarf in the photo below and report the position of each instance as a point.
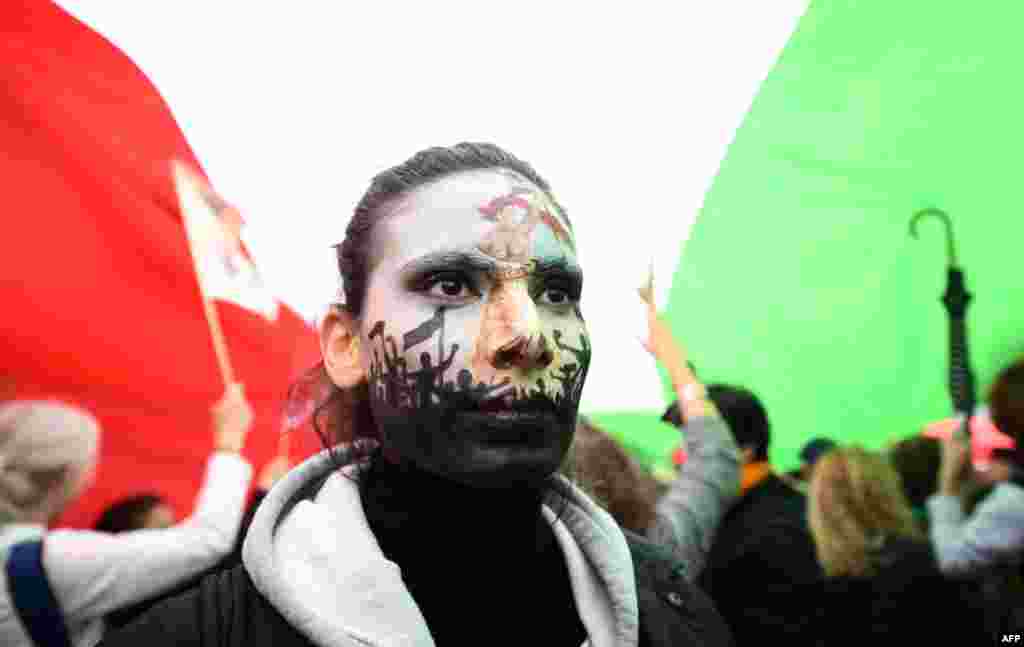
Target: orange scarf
(753, 473)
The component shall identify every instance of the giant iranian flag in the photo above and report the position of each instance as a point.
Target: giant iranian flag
(766, 155)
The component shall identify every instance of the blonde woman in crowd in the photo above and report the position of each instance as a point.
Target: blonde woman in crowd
(881, 575)
(55, 587)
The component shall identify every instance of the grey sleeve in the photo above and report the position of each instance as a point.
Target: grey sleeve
(689, 513)
(993, 534)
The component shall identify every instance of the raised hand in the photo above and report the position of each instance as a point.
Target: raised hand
(671, 353)
(232, 418)
(956, 465)
(273, 471)
(660, 342)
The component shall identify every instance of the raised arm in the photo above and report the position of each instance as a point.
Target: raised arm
(993, 534)
(689, 513)
(94, 573)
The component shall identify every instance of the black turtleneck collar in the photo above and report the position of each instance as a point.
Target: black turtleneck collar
(403, 499)
(473, 559)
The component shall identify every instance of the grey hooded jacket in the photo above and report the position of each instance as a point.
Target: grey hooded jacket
(313, 574)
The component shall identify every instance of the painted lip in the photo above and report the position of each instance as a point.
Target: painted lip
(506, 409)
(499, 405)
(512, 427)
(511, 416)
(508, 406)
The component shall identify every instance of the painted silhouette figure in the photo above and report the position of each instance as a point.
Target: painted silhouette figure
(400, 387)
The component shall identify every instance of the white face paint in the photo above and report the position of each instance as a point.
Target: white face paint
(473, 342)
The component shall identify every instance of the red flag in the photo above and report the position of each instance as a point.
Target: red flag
(101, 304)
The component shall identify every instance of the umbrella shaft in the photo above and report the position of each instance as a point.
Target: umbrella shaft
(961, 379)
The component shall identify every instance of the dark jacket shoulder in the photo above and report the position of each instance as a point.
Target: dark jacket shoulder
(762, 556)
(672, 610)
(126, 615)
(766, 532)
(770, 497)
(224, 610)
(907, 598)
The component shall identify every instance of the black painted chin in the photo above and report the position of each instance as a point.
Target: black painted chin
(477, 433)
(481, 449)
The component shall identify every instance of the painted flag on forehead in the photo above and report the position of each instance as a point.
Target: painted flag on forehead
(102, 306)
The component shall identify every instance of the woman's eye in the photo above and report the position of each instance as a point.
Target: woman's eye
(555, 297)
(450, 288)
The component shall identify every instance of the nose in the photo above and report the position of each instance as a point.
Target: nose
(510, 334)
(524, 353)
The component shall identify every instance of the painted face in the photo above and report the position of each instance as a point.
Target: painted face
(471, 336)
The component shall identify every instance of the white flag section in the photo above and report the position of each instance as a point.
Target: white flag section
(224, 268)
(626, 108)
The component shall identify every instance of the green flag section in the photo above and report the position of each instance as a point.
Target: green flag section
(800, 280)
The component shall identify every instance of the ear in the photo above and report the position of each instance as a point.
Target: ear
(339, 346)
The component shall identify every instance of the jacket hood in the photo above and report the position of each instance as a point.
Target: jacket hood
(310, 551)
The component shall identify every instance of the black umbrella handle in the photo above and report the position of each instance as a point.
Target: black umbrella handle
(956, 299)
(961, 378)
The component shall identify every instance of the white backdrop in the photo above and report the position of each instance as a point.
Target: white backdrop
(627, 109)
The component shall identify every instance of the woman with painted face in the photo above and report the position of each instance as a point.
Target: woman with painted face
(455, 361)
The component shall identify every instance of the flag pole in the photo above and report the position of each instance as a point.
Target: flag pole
(182, 175)
(284, 444)
(220, 347)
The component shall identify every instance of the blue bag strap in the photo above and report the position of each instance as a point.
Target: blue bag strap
(32, 596)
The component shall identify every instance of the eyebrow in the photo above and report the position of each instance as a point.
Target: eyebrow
(561, 266)
(450, 260)
(474, 261)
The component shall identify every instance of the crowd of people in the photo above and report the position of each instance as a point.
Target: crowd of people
(461, 499)
(445, 506)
